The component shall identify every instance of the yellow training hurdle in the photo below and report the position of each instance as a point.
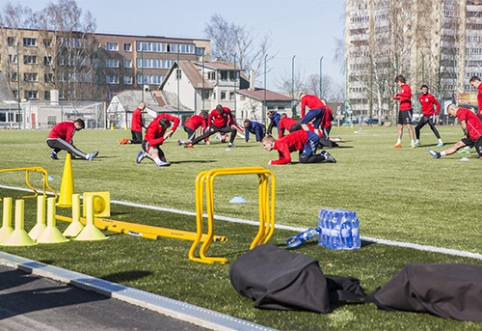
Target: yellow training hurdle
(266, 210)
(27, 170)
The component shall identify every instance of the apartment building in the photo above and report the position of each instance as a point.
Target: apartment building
(437, 43)
(89, 67)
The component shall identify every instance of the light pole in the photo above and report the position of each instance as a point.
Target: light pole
(321, 77)
(264, 103)
(234, 80)
(18, 87)
(293, 86)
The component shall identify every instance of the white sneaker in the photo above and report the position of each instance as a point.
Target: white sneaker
(91, 156)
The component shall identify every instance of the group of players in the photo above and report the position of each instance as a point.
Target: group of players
(307, 136)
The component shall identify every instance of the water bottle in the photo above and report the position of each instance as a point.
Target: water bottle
(355, 231)
(335, 230)
(322, 226)
(300, 238)
(346, 234)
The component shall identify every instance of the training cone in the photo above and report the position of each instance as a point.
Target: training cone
(76, 226)
(19, 237)
(90, 232)
(6, 229)
(51, 235)
(237, 200)
(67, 185)
(40, 226)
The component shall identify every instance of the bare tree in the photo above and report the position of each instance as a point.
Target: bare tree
(231, 42)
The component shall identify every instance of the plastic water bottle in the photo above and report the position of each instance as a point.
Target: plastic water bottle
(346, 234)
(355, 231)
(335, 230)
(300, 238)
(322, 226)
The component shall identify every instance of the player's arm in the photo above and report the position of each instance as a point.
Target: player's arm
(463, 124)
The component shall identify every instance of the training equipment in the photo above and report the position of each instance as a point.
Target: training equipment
(19, 237)
(6, 228)
(266, 208)
(101, 204)
(75, 227)
(67, 186)
(90, 231)
(40, 226)
(45, 180)
(339, 229)
(51, 235)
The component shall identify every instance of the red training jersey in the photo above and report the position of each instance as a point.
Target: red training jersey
(430, 105)
(327, 118)
(295, 141)
(285, 123)
(479, 98)
(173, 119)
(221, 120)
(312, 102)
(63, 130)
(405, 97)
(195, 122)
(474, 124)
(136, 123)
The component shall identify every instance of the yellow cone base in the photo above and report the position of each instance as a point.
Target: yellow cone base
(5, 232)
(51, 235)
(74, 229)
(90, 232)
(37, 231)
(19, 237)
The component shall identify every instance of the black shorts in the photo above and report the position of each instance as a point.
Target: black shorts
(405, 117)
(474, 143)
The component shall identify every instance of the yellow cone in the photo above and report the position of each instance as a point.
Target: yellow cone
(90, 232)
(101, 204)
(19, 237)
(40, 226)
(51, 235)
(67, 186)
(6, 229)
(76, 226)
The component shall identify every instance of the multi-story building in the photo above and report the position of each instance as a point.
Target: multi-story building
(437, 43)
(89, 66)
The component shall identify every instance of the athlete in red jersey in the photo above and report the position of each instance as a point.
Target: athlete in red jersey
(316, 113)
(306, 142)
(289, 124)
(220, 120)
(193, 123)
(153, 139)
(472, 127)
(476, 83)
(137, 124)
(430, 109)
(61, 137)
(405, 111)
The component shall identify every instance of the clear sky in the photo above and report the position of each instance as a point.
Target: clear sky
(305, 29)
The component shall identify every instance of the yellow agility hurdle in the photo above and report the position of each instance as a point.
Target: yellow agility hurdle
(27, 170)
(266, 209)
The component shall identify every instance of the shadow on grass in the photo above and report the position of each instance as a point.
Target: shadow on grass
(125, 276)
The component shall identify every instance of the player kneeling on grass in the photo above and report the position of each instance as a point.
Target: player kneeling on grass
(154, 138)
(304, 141)
(472, 127)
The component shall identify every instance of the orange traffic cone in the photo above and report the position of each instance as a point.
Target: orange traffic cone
(67, 186)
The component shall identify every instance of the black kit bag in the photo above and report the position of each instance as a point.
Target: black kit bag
(445, 290)
(279, 279)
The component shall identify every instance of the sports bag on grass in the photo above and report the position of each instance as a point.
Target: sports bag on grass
(279, 279)
(445, 290)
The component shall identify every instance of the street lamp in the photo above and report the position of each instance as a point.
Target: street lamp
(293, 86)
(321, 77)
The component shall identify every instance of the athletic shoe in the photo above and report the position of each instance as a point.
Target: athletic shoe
(124, 141)
(465, 150)
(163, 164)
(91, 156)
(413, 145)
(140, 157)
(179, 143)
(417, 143)
(231, 145)
(397, 146)
(329, 158)
(54, 156)
(440, 144)
(434, 154)
(341, 140)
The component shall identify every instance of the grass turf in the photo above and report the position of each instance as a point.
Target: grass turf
(401, 195)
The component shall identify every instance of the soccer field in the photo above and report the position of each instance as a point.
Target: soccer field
(401, 195)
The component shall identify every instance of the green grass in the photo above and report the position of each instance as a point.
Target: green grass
(402, 195)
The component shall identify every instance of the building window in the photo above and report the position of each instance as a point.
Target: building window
(49, 78)
(47, 42)
(30, 77)
(232, 95)
(127, 63)
(29, 42)
(47, 60)
(212, 75)
(127, 47)
(112, 63)
(178, 74)
(14, 77)
(223, 95)
(29, 59)
(10, 41)
(31, 95)
(112, 46)
(51, 121)
(12, 58)
(46, 95)
(112, 79)
(154, 63)
(150, 79)
(200, 51)
(127, 80)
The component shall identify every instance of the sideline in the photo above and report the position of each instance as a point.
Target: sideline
(426, 248)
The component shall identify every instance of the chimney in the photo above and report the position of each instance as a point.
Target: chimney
(251, 80)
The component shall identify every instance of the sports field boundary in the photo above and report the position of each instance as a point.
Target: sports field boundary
(426, 248)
